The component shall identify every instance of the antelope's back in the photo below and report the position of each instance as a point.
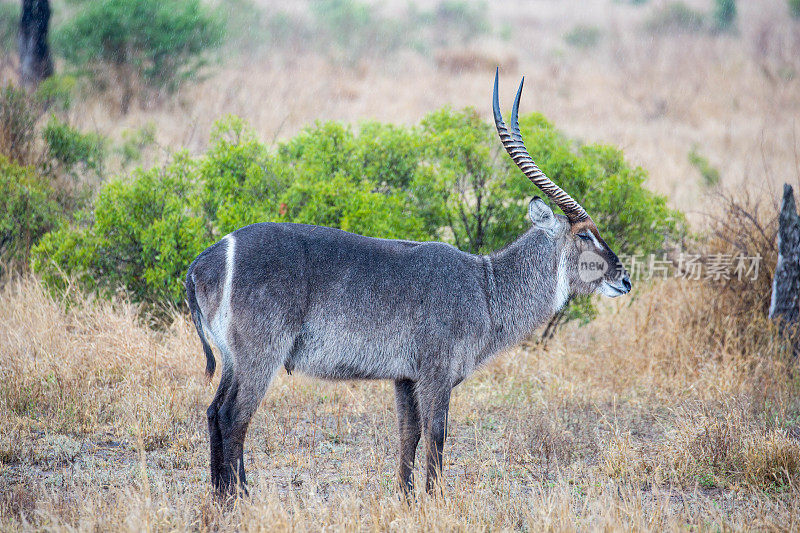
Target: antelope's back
(353, 306)
(313, 270)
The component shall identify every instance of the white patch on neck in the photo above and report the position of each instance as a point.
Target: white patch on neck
(562, 284)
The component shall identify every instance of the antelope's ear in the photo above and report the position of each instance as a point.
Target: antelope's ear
(541, 215)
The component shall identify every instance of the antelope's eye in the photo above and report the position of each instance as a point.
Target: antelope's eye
(584, 236)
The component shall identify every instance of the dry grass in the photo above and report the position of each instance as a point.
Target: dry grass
(626, 423)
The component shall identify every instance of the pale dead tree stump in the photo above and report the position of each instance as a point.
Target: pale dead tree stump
(35, 63)
(783, 307)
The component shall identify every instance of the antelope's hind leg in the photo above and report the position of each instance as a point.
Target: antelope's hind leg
(252, 375)
(214, 432)
(233, 417)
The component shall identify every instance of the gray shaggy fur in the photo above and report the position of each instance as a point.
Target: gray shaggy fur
(340, 306)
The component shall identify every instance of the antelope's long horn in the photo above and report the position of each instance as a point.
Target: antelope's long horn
(512, 142)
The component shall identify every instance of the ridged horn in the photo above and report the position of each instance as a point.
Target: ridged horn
(512, 142)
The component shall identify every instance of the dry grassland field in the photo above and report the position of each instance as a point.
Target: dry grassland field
(677, 407)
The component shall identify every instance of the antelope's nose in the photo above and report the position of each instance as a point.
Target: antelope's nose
(626, 282)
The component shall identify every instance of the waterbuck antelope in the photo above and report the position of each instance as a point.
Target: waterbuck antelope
(341, 306)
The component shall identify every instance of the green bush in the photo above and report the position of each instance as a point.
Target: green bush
(27, 212)
(20, 112)
(73, 162)
(69, 148)
(9, 24)
(151, 43)
(473, 193)
(357, 182)
(724, 14)
(55, 92)
(18, 115)
(794, 8)
(472, 165)
(675, 17)
(709, 173)
(135, 142)
(445, 179)
(69, 160)
(583, 36)
(141, 238)
(240, 181)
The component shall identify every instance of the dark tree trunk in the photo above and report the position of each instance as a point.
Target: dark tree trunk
(34, 53)
(783, 307)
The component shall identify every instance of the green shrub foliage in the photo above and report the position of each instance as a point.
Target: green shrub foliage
(18, 115)
(240, 180)
(70, 148)
(583, 36)
(708, 171)
(142, 42)
(445, 179)
(141, 237)
(724, 14)
(55, 92)
(794, 8)
(357, 182)
(27, 212)
(9, 23)
(675, 17)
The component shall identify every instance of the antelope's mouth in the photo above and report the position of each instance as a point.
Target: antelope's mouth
(615, 288)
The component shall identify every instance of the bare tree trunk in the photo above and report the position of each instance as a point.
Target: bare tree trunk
(34, 53)
(783, 307)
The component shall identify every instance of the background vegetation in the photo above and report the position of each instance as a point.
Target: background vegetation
(9, 20)
(148, 43)
(28, 213)
(440, 180)
(794, 7)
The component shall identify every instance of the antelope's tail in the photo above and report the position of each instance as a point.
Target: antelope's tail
(197, 316)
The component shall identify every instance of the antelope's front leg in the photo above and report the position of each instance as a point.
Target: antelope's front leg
(408, 425)
(437, 403)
